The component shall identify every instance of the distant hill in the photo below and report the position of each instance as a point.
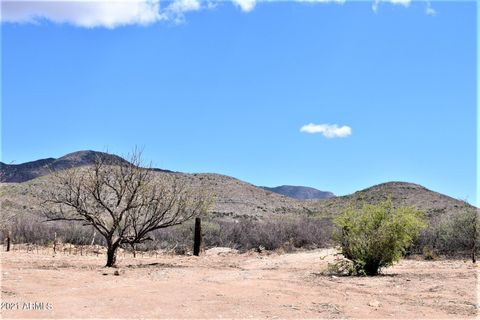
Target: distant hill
(402, 194)
(34, 169)
(232, 198)
(301, 193)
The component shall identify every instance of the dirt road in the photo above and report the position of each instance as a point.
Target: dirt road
(228, 285)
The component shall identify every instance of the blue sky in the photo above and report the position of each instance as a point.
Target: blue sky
(227, 87)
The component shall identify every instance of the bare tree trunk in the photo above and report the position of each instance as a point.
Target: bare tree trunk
(474, 260)
(133, 250)
(111, 254)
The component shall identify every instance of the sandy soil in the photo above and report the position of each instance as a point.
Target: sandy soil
(228, 285)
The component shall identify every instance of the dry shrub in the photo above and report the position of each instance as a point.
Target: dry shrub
(286, 232)
(30, 228)
(451, 235)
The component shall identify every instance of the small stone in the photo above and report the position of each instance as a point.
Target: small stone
(116, 273)
(374, 304)
(260, 249)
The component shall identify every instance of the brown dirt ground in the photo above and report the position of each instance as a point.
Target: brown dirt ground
(230, 285)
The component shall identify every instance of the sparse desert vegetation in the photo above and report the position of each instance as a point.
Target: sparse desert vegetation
(298, 159)
(276, 261)
(222, 283)
(377, 235)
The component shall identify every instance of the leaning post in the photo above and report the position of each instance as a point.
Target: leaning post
(8, 243)
(197, 241)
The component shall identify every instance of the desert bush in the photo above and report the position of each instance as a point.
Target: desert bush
(463, 231)
(376, 236)
(30, 228)
(283, 231)
(287, 232)
(340, 267)
(428, 253)
(451, 235)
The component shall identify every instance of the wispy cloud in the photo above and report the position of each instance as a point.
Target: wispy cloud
(429, 10)
(320, 1)
(327, 130)
(249, 5)
(176, 10)
(245, 5)
(181, 6)
(404, 3)
(114, 13)
(376, 3)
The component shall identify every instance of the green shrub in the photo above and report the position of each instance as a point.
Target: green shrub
(340, 267)
(376, 236)
(428, 253)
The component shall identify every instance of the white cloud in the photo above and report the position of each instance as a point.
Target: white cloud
(376, 3)
(100, 13)
(115, 13)
(109, 14)
(249, 5)
(404, 3)
(184, 6)
(245, 5)
(429, 10)
(321, 1)
(176, 10)
(328, 130)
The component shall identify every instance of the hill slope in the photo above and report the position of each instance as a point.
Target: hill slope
(301, 193)
(34, 169)
(401, 193)
(232, 197)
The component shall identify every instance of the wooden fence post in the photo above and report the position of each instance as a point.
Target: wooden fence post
(8, 243)
(55, 243)
(197, 241)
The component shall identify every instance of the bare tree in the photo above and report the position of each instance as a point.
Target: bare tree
(123, 201)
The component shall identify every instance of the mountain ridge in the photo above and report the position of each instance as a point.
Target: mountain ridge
(300, 192)
(235, 198)
(26, 171)
(34, 169)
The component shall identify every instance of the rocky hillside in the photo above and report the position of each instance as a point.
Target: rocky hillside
(401, 193)
(301, 193)
(34, 169)
(231, 197)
